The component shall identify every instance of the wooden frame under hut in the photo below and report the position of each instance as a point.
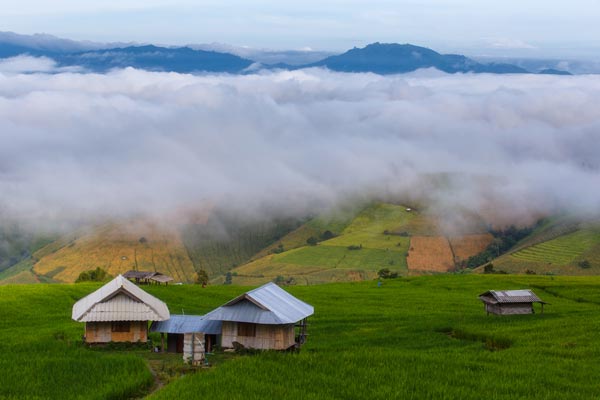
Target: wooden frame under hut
(118, 312)
(266, 318)
(510, 302)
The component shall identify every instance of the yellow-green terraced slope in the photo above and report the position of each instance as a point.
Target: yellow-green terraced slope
(576, 253)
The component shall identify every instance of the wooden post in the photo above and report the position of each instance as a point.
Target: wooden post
(162, 342)
(193, 347)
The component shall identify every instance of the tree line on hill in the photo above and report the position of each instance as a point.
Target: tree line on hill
(504, 240)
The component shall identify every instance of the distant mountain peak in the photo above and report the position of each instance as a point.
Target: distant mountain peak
(394, 58)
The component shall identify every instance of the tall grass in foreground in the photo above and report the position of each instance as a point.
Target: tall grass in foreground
(412, 338)
(424, 338)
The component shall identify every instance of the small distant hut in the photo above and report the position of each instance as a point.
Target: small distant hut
(178, 325)
(510, 302)
(266, 318)
(147, 277)
(118, 312)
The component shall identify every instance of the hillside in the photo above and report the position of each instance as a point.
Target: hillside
(561, 246)
(116, 249)
(380, 236)
(349, 244)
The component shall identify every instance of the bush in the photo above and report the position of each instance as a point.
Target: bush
(94, 275)
(228, 279)
(488, 269)
(355, 247)
(584, 264)
(312, 241)
(327, 235)
(202, 277)
(279, 249)
(385, 273)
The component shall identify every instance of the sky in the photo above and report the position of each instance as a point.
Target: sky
(532, 28)
(96, 146)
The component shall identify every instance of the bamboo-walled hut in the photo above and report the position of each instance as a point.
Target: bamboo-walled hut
(178, 325)
(118, 312)
(266, 318)
(147, 277)
(510, 302)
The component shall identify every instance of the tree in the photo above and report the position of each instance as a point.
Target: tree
(312, 241)
(202, 278)
(327, 235)
(584, 264)
(228, 278)
(385, 273)
(93, 275)
(488, 268)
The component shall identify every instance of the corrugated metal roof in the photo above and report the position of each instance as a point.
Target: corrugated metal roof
(120, 300)
(512, 296)
(161, 278)
(187, 324)
(268, 304)
(144, 275)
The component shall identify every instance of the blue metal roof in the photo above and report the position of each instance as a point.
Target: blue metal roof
(268, 304)
(187, 324)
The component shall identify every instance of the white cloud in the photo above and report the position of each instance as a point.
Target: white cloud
(28, 64)
(134, 141)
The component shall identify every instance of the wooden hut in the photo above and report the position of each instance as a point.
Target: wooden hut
(264, 318)
(118, 312)
(178, 325)
(510, 302)
(147, 277)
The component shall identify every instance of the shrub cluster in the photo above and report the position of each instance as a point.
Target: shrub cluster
(94, 275)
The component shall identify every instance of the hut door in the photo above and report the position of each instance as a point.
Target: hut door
(179, 343)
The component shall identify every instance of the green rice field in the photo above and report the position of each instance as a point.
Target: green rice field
(564, 250)
(412, 338)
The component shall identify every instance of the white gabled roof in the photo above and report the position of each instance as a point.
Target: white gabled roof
(268, 304)
(120, 300)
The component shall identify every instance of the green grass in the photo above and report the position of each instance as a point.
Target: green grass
(42, 356)
(340, 257)
(380, 217)
(564, 250)
(423, 338)
(413, 338)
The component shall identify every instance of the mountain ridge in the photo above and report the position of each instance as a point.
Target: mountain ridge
(379, 58)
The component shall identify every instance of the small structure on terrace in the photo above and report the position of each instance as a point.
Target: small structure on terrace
(118, 312)
(266, 318)
(147, 277)
(510, 302)
(178, 325)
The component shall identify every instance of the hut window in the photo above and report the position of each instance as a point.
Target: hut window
(245, 329)
(121, 326)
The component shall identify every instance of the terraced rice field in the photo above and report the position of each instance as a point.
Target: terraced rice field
(116, 250)
(466, 246)
(342, 257)
(565, 250)
(430, 254)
